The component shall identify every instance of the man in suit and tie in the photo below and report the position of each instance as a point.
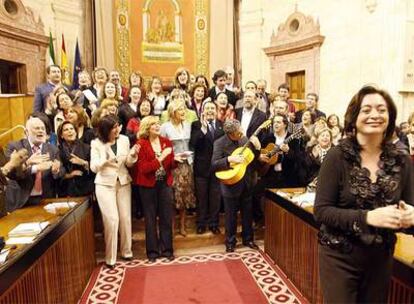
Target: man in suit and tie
(203, 135)
(238, 195)
(37, 181)
(219, 79)
(41, 97)
(249, 116)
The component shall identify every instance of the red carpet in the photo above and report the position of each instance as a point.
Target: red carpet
(240, 277)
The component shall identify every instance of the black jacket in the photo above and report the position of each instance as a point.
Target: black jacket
(202, 145)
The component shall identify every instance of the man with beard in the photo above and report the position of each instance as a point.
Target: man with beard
(37, 181)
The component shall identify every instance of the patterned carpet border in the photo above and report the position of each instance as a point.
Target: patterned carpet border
(270, 280)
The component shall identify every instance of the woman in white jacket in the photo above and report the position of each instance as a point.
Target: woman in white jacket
(110, 156)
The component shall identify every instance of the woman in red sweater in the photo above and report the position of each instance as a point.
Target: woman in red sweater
(155, 162)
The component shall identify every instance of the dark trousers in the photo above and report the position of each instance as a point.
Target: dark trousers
(362, 276)
(136, 201)
(231, 205)
(157, 201)
(208, 199)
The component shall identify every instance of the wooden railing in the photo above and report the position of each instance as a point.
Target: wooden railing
(57, 267)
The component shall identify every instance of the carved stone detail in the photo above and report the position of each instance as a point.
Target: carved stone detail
(22, 40)
(296, 47)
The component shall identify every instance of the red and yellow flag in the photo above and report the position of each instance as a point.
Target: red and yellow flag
(64, 63)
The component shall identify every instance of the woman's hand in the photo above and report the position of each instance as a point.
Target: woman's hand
(164, 154)
(407, 214)
(76, 160)
(135, 150)
(385, 217)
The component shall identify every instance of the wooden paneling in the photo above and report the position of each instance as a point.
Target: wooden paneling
(14, 111)
(292, 245)
(63, 270)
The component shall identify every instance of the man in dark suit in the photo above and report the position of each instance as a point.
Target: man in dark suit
(238, 195)
(37, 181)
(219, 80)
(249, 116)
(311, 106)
(203, 135)
(263, 97)
(41, 97)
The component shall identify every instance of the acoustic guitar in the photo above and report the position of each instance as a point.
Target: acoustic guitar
(237, 171)
(272, 151)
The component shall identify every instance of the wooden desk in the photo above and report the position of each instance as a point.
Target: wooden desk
(291, 240)
(57, 265)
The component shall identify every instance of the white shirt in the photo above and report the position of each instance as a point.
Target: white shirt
(246, 118)
(220, 91)
(279, 141)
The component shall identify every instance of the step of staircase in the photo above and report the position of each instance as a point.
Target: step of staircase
(191, 240)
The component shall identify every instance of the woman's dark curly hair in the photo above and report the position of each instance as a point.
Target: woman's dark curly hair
(354, 108)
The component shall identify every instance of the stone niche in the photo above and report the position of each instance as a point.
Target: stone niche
(23, 44)
(296, 48)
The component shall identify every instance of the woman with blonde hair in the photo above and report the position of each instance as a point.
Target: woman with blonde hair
(180, 96)
(154, 178)
(111, 105)
(178, 130)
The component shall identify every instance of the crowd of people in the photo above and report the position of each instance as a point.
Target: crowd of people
(155, 149)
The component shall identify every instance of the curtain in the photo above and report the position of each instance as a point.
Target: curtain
(104, 34)
(236, 44)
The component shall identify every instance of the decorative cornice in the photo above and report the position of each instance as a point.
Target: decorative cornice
(295, 47)
(22, 18)
(7, 30)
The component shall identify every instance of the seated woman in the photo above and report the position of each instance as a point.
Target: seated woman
(78, 117)
(64, 102)
(334, 124)
(75, 158)
(315, 155)
(154, 166)
(224, 109)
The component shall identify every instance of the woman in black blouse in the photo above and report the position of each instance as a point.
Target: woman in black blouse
(364, 196)
(75, 157)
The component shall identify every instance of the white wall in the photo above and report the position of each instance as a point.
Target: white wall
(360, 47)
(61, 16)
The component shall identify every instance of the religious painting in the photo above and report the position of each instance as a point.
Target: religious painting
(162, 32)
(156, 37)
